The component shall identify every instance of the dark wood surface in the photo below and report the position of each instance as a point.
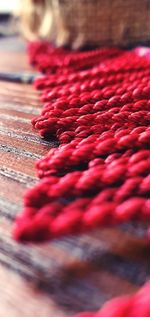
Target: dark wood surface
(58, 278)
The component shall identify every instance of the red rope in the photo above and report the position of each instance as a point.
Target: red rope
(96, 104)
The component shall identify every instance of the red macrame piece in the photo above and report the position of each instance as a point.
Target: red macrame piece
(137, 305)
(96, 104)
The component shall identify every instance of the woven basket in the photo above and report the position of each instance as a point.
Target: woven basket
(79, 23)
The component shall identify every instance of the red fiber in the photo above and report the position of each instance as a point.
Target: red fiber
(96, 104)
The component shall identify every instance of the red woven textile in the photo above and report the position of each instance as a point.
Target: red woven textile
(96, 104)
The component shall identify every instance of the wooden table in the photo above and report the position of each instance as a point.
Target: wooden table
(58, 278)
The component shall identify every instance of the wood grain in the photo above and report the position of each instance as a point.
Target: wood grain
(64, 276)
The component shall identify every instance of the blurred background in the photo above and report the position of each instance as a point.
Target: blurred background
(9, 29)
(7, 6)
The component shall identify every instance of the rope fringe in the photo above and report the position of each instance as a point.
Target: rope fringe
(96, 104)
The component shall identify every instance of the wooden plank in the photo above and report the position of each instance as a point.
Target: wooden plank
(14, 61)
(24, 146)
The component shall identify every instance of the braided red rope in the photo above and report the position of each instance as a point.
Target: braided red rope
(96, 104)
